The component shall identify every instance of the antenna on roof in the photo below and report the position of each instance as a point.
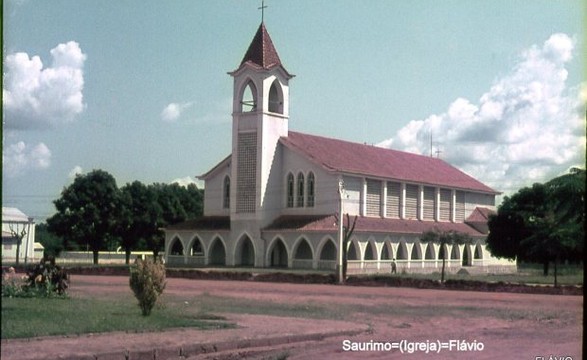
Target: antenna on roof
(430, 143)
(262, 8)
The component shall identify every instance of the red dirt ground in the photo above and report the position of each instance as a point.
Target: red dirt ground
(523, 326)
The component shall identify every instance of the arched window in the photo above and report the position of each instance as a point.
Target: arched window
(197, 249)
(275, 98)
(176, 247)
(226, 197)
(300, 200)
(328, 251)
(290, 190)
(310, 192)
(249, 98)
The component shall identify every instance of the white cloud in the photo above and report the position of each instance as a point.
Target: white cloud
(173, 111)
(529, 126)
(185, 181)
(77, 170)
(38, 97)
(17, 159)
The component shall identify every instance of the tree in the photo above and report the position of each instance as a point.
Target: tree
(87, 211)
(445, 238)
(52, 244)
(139, 214)
(347, 232)
(18, 235)
(543, 223)
(177, 204)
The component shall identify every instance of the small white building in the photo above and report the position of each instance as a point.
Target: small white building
(273, 202)
(16, 225)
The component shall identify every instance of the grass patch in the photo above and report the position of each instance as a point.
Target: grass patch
(524, 276)
(31, 317)
(207, 304)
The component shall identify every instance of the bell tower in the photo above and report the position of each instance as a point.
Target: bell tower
(260, 114)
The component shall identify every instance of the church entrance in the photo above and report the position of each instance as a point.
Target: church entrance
(278, 256)
(217, 253)
(245, 253)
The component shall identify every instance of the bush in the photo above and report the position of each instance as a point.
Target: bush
(45, 280)
(147, 281)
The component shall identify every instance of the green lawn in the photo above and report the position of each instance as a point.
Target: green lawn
(30, 317)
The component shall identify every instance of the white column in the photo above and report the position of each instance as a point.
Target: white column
(363, 209)
(383, 210)
(453, 205)
(437, 205)
(402, 201)
(420, 202)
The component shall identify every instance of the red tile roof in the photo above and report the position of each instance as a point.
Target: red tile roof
(327, 223)
(354, 158)
(480, 214)
(261, 52)
(479, 218)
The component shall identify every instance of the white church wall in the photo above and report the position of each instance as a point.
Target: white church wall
(473, 200)
(353, 188)
(272, 200)
(214, 193)
(325, 186)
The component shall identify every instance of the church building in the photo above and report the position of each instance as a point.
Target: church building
(274, 201)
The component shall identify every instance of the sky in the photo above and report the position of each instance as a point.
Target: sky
(140, 89)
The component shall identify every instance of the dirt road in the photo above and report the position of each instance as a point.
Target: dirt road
(463, 324)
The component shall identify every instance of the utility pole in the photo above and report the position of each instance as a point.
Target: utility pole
(28, 236)
(340, 232)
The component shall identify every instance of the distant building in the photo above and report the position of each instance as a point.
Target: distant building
(273, 202)
(15, 225)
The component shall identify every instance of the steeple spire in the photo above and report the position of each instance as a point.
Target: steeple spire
(261, 52)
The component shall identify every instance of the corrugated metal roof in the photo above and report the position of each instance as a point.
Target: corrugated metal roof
(327, 223)
(367, 160)
(10, 214)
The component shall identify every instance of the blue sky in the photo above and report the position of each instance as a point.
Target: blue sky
(140, 88)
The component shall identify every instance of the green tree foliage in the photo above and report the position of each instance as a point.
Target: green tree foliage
(445, 238)
(52, 244)
(87, 211)
(139, 216)
(543, 223)
(177, 204)
(147, 281)
(93, 213)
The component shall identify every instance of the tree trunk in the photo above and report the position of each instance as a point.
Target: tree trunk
(545, 268)
(442, 273)
(95, 255)
(555, 273)
(18, 251)
(127, 255)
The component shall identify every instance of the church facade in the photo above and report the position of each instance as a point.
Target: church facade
(274, 201)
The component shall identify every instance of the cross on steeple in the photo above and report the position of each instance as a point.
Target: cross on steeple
(262, 8)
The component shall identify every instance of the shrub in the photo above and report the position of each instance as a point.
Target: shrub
(147, 281)
(44, 280)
